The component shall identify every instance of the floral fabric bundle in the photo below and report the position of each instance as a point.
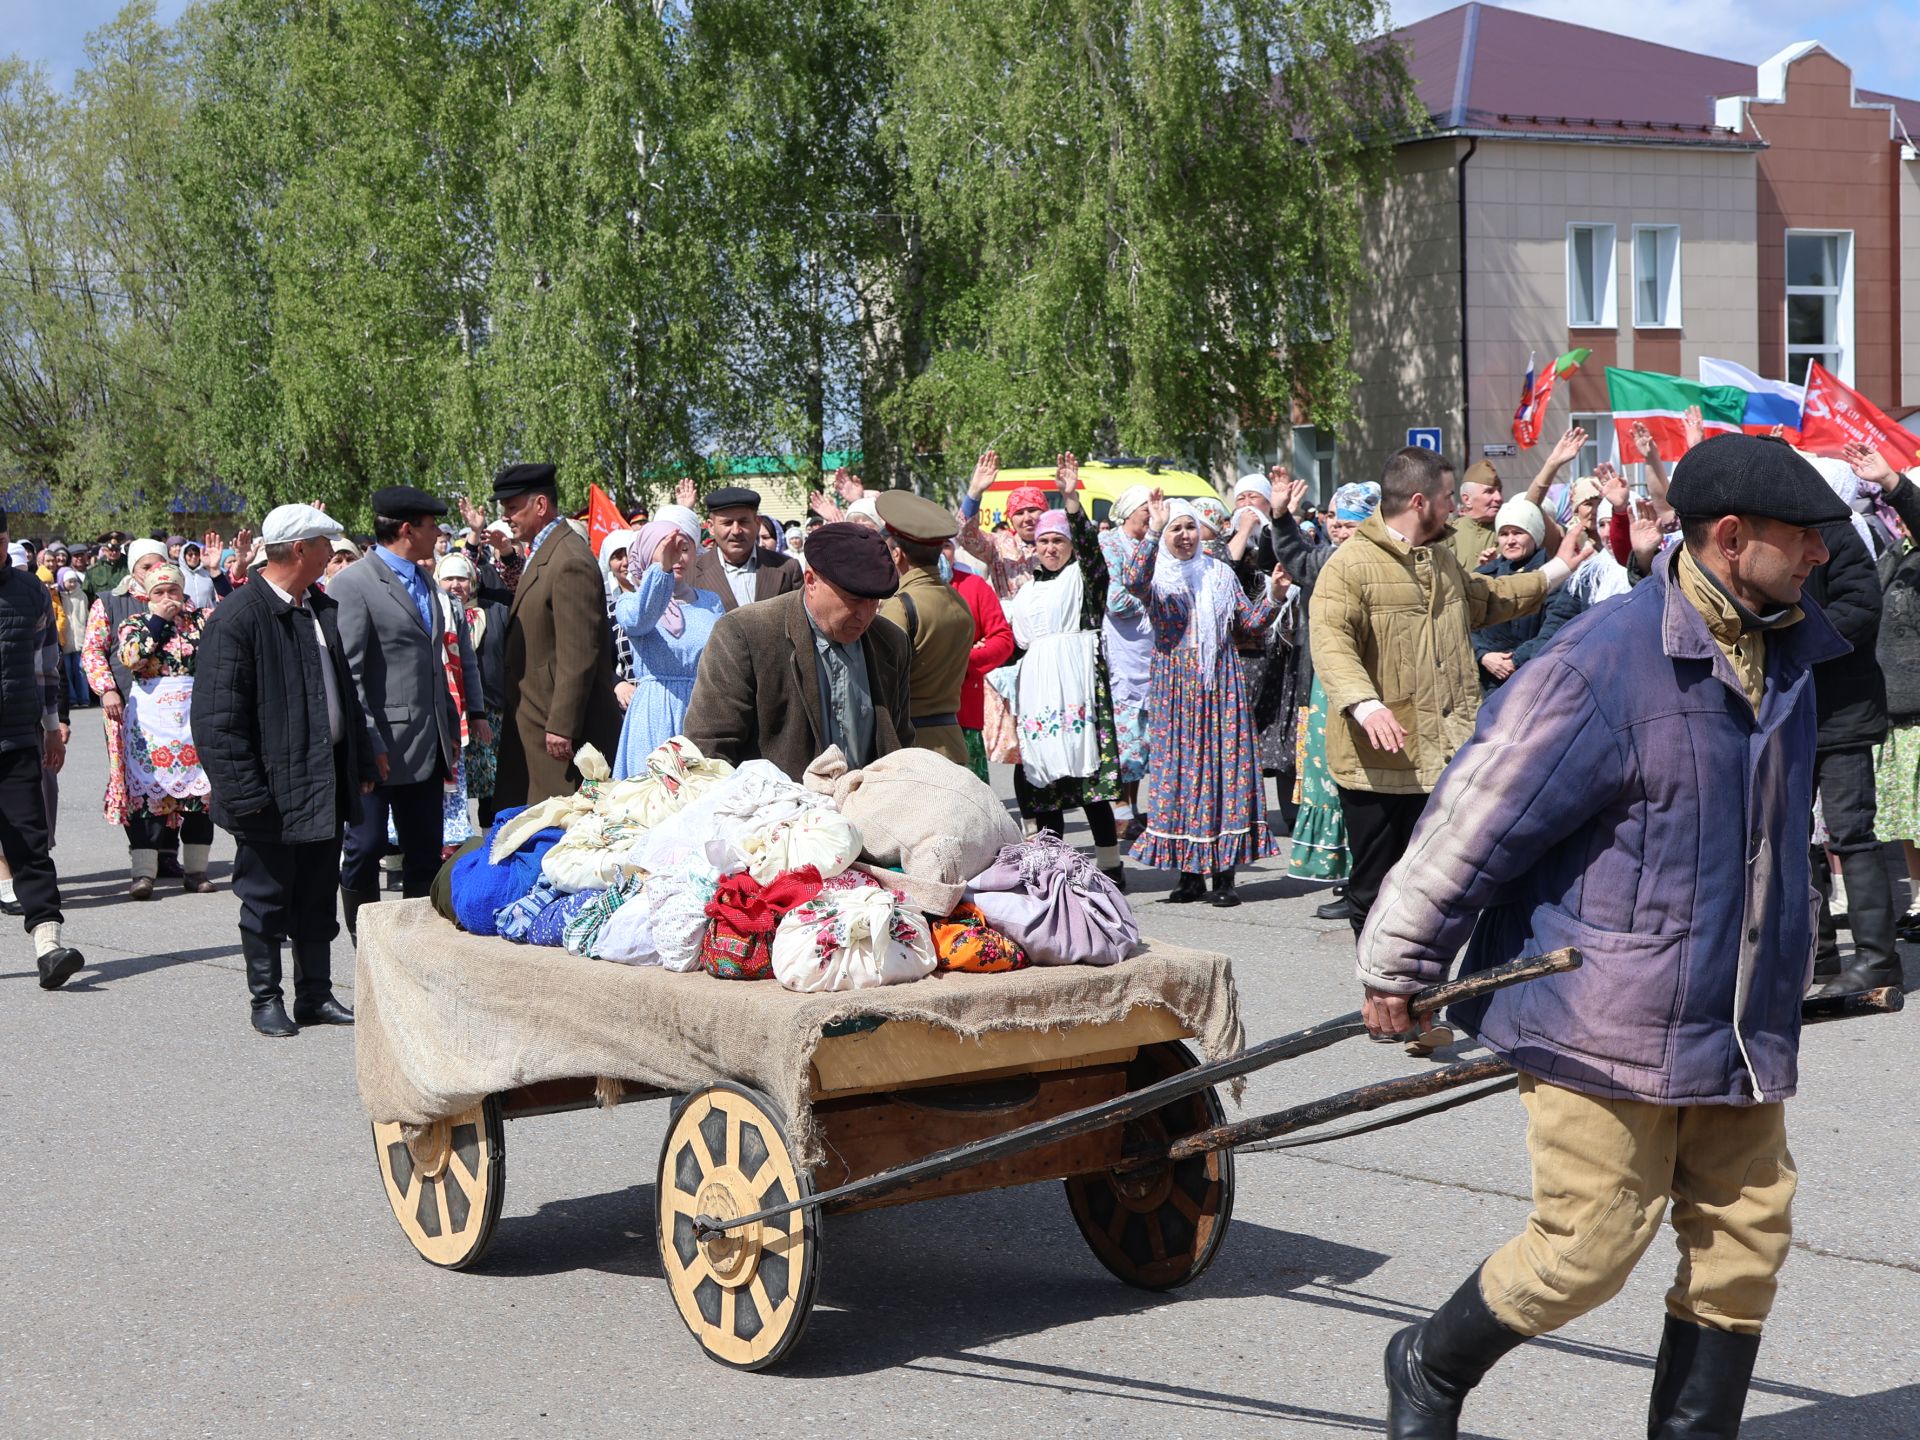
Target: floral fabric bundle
(743, 915)
(851, 938)
(965, 941)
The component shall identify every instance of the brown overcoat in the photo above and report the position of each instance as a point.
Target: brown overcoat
(758, 693)
(559, 672)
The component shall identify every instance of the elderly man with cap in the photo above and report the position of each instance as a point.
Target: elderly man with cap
(559, 654)
(398, 652)
(31, 740)
(739, 569)
(935, 619)
(1656, 1074)
(278, 724)
(812, 668)
(1473, 519)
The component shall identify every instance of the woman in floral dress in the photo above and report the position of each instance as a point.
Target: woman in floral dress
(161, 785)
(1069, 752)
(1206, 812)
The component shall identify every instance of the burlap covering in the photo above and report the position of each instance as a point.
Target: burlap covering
(443, 1018)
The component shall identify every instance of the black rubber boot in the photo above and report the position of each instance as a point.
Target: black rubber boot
(1872, 920)
(1192, 887)
(1224, 894)
(350, 903)
(263, 983)
(1432, 1366)
(313, 1002)
(1700, 1381)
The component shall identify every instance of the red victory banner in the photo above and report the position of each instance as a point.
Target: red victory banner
(1836, 414)
(603, 517)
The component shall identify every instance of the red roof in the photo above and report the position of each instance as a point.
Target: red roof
(1483, 68)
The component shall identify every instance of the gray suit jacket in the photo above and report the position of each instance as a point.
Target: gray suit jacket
(399, 670)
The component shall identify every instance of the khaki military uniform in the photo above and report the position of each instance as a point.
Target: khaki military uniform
(940, 626)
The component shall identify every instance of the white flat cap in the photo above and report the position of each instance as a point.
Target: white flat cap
(288, 523)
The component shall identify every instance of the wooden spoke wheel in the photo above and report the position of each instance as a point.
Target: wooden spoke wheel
(745, 1294)
(446, 1184)
(1158, 1227)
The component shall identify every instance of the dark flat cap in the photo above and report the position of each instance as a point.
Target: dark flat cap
(1752, 475)
(403, 502)
(914, 517)
(523, 480)
(730, 497)
(855, 558)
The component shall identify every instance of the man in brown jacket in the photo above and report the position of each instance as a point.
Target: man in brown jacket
(1393, 611)
(559, 666)
(784, 679)
(932, 616)
(738, 568)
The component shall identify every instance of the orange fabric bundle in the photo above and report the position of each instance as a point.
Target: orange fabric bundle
(965, 941)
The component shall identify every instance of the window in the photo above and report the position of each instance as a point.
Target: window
(1314, 461)
(1590, 303)
(1819, 302)
(1656, 276)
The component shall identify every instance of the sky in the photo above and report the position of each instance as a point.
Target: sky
(1876, 37)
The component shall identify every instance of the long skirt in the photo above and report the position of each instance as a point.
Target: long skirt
(1104, 784)
(1896, 785)
(483, 761)
(1320, 829)
(1206, 810)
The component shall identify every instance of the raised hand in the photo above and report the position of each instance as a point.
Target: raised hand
(1867, 463)
(847, 485)
(1696, 428)
(1613, 485)
(1278, 582)
(475, 517)
(1644, 442)
(825, 508)
(684, 495)
(986, 470)
(1644, 534)
(210, 548)
(1568, 446)
(1157, 508)
(243, 544)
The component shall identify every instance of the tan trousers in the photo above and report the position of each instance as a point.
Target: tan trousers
(1603, 1171)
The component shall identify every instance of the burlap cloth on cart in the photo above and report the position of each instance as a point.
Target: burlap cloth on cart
(444, 1019)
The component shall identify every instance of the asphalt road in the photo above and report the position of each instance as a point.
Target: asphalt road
(196, 1241)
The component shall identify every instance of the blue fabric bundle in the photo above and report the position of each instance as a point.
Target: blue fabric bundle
(480, 888)
(550, 925)
(515, 922)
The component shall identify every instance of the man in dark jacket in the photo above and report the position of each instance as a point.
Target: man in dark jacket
(1657, 1072)
(283, 741)
(1850, 698)
(30, 740)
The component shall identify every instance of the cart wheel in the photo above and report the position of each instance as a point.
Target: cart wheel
(745, 1294)
(446, 1187)
(1159, 1227)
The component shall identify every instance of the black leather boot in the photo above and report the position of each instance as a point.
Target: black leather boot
(1700, 1381)
(1871, 918)
(1432, 1366)
(263, 983)
(350, 903)
(1224, 894)
(313, 1002)
(1192, 887)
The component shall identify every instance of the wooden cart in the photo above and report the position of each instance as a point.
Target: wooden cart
(884, 1095)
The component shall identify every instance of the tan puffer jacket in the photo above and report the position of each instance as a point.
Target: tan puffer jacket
(1390, 622)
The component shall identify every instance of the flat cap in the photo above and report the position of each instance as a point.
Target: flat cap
(914, 517)
(402, 502)
(523, 480)
(287, 523)
(855, 558)
(1752, 475)
(730, 497)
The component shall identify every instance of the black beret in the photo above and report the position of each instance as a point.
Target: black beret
(855, 558)
(403, 502)
(1752, 475)
(729, 497)
(524, 480)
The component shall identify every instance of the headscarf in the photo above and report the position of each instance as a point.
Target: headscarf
(1522, 514)
(1356, 502)
(60, 578)
(1212, 513)
(1027, 497)
(1208, 585)
(1131, 499)
(1054, 522)
(1254, 484)
(17, 554)
(452, 565)
(136, 552)
(640, 554)
(678, 516)
(776, 536)
(612, 545)
(168, 574)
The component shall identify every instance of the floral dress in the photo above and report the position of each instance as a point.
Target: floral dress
(1104, 782)
(1206, 810)
(163, 651)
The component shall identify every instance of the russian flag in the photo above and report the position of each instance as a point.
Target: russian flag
(1769, 402)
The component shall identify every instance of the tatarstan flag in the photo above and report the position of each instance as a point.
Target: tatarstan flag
(1660, 401)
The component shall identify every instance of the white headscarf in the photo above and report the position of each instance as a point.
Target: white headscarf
(136, 552)
(615, 542)
(1207, 584)
(683, 520)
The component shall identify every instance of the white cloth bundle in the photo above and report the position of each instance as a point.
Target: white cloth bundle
(676, 904)
(557, 810)
(819, 836)
(851, 939)
(628, 937)
(676, 774)
(592, 855)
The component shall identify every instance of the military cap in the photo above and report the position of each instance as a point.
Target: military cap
(526, 479)
(855, 558)
(404, 502)
(1481, 472)
(914, 517)
(1752, 475)
(731, 497)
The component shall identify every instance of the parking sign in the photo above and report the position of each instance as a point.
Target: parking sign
(1424, 437)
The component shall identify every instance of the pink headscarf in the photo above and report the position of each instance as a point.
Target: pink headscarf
(1054, 522)
(646, 544)
(1027, 497)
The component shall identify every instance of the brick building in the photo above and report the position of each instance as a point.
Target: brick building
(1579, 188)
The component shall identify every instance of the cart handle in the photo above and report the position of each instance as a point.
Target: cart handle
(1136, 1103)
